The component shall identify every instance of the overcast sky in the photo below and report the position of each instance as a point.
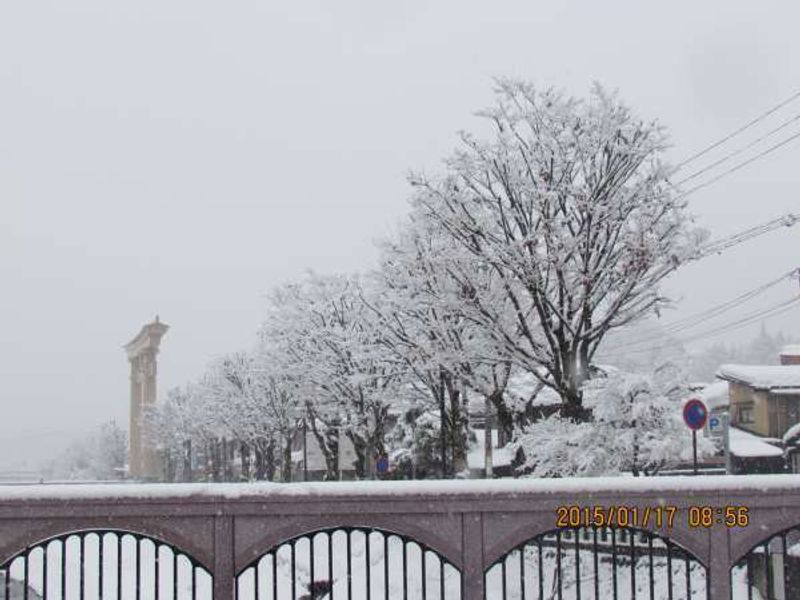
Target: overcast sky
(180, 158)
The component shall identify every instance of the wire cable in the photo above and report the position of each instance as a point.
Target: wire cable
(710, 313)
(748, 319)
(739, 166)
(738, 151)
(741, 129)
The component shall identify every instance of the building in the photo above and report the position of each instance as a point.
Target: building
(764, 414)
(143, 462)
(764, 400)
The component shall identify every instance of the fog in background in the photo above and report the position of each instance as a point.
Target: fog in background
(180, 158)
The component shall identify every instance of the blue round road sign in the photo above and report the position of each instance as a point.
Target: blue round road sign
(382, 465)
(695, 414)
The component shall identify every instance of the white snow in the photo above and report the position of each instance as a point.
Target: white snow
(747, 445)
(292, 492)
(791, 350)
(715, 395)
(792, 432)
(786, 391)
(762, 376)
(501, 457)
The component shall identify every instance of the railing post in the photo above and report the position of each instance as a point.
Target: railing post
(719, 565)
(223, 557)
(472, 556)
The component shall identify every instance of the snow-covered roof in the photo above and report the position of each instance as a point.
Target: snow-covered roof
(791, 350)
(747, 445)
(715, 395)
(764, 377)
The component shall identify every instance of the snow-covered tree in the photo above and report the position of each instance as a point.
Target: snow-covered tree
(100, 455)
(637, 427)
(570, 206)
(763, 349)
(324, 336)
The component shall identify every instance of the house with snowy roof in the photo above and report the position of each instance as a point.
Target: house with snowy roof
(764, 409)
(764, 399)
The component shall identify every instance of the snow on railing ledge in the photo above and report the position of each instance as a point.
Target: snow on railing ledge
(287, 491)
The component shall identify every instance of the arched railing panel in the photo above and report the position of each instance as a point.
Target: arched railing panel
(591, 563)
(350, 563)
(108, 564)
(770, 569)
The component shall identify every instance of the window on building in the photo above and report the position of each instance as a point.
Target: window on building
(745, 416)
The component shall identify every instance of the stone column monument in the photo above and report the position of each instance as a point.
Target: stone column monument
(143, 462)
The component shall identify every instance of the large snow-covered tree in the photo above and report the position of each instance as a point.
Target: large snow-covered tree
(570, 206)
(637, 427)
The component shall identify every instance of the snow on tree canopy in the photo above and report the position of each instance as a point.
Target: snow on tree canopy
(636, 426)
(569, 207)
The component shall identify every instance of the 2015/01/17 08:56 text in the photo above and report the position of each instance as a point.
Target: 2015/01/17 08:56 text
(650, 516)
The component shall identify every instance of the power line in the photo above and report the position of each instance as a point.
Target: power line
(741, 129)
(693, 320)
(715, 311)
(749, 319)
(718, 246)
(738, 151)
(739, 166)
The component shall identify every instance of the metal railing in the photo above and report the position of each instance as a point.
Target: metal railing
(498, 540)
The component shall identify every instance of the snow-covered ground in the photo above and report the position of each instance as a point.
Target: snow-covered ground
(405, 567)
(355, 587)
(600, 579)
(476, 457)
(405, 564)
(69, 554)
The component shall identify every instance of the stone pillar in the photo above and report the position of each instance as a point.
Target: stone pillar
(142, 351)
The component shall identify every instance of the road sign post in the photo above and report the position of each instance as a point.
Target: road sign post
(382, 464)
(695, 415)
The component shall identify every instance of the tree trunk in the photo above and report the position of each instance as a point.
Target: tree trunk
(187, 460)
(270, 461)
(458, 426)
(213, 457)
(328, 442)
(442, 427)
(259, 461)
(488, 463)
(244, 453)
(360, 448)
(505, 419)
(286, 466)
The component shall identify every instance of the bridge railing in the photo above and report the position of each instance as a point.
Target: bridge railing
(624, 538)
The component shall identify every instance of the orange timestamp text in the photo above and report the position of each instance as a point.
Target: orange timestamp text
(651, 516)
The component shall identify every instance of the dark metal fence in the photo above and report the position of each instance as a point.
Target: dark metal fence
(492, 540)
(770, 570)
(350, 563)
(108, 564)
(593, 563)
